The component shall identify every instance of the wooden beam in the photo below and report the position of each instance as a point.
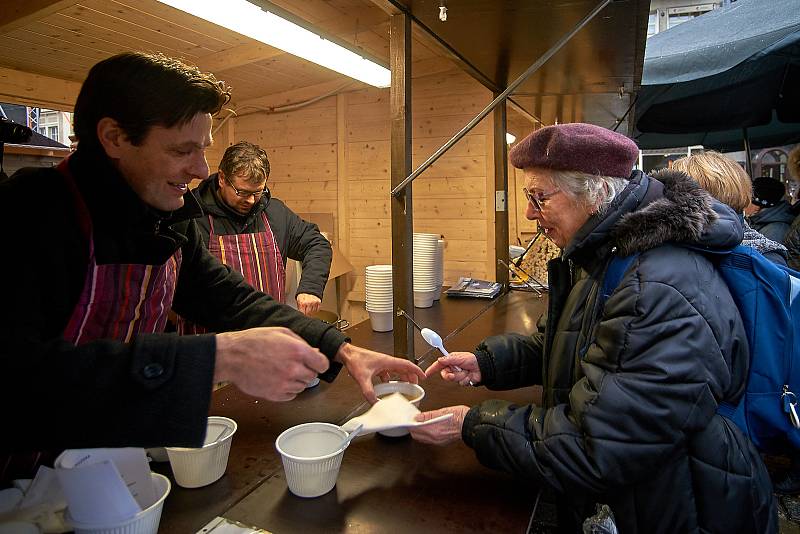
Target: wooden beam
(500, 194)
(401, 205)
(17, 13)
(237, 57)
(387, 6)
(18, 87)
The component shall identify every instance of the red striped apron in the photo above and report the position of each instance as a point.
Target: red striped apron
(118, 301)
(256, 256)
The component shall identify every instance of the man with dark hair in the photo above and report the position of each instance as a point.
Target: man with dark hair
(91, 273)
(254, 233)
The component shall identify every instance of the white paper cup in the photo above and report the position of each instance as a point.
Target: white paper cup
(145, 522)
(195, 468)
(413, 392)
(311, 454)
(381, 321)
(424, 299)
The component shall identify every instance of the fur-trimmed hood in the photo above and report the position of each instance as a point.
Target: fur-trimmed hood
(668, 207)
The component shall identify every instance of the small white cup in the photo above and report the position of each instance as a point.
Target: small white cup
(311, 454)
(381, 321)
(195, 468)
(145, 522)
(413, 392)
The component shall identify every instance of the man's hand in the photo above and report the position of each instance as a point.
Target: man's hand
(364, 364)
(271, 363)
(461, 367)
(307, 304)
(442, 433)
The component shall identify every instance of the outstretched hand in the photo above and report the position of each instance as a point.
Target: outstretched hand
(442, 433)
(364, 364)
(461, 367)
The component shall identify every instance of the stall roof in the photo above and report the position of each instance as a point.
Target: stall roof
(62, 39)
(500, 40)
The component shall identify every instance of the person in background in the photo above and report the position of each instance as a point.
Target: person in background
(792, 238)
(94, 266)
(630, 387)
(252, 232)
(769, 213)
(727, 181)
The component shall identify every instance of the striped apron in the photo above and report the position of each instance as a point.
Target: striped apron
(118, 301)
(256, 256)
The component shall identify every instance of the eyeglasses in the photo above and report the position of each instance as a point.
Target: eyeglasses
(539, 199)
(246, 194)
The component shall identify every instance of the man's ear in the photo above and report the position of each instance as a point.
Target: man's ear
(220, 177)
(111, 137)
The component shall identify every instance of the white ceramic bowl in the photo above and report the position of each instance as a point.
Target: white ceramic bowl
(195, 468)
(311, 454)
(145, 522)
(413, 392)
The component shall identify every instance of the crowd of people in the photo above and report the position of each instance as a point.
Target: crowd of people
(631, 383)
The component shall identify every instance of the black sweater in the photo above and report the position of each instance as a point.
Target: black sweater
(57, 395)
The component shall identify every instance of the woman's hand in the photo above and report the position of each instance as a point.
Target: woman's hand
(441, 433)
(461, 367)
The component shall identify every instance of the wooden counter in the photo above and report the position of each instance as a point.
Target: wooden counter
(385, 484)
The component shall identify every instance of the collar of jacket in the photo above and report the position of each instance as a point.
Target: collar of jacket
(668, 207)
(112, 202)
(213, 204)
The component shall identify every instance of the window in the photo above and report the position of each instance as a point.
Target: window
(652, 24)
(52, 132)
(679, 15)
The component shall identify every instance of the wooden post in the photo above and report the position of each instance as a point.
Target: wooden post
(402, 214)
(500, 193)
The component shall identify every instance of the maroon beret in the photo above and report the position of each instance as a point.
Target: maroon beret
(577, 147)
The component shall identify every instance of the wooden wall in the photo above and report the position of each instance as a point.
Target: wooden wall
(333, 157)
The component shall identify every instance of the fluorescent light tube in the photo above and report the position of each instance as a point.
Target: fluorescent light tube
(254, 22)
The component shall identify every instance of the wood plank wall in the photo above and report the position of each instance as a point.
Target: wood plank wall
(454, 197)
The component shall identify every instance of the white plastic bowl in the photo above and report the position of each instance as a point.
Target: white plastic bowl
(311, 454)
(413, 392)
(195, 468)
(145, 522)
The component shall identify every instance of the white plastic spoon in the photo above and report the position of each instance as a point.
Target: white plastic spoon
(435, 340)
(356, 431)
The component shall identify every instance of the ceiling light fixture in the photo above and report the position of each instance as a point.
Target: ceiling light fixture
(252, 21)
(510, 138)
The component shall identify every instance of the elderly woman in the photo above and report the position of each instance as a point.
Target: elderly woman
(726, 181)
(630, 390)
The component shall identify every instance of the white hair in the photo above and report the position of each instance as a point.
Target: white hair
(595, 192)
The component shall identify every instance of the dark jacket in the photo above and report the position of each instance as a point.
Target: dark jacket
(631, 391)
(773, 222)
(297, 239)
(792, 241)
(57, 395)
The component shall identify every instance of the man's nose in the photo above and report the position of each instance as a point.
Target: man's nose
(199, 166)
(532, 213)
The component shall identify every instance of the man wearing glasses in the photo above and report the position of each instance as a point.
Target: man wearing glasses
(254, 233)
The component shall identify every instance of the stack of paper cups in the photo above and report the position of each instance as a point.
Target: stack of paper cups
(439, 268)
(379, 303)
(425, 269)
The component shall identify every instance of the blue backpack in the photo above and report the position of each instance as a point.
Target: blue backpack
(768, 298)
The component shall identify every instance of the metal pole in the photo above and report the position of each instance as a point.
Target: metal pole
(502, 96)
(748, 160)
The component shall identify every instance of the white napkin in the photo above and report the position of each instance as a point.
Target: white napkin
(391, 411)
